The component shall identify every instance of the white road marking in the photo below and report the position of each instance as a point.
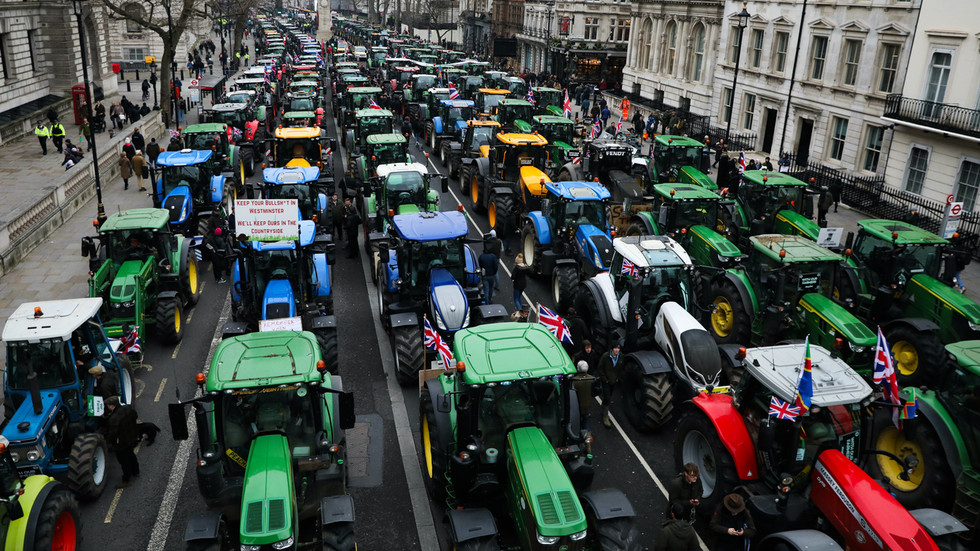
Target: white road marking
(163, 383)
(176, 350)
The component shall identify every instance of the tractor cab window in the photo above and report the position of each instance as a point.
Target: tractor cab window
(482, 135)
(425, 82)
(691, 213)
(663, 284)
(583, 212)
(287, 150)
(558, 133)
(238, 97)
(189, 176)
(203, 141)
(472, 83)
(231, 118)
(405, 188)
(441, 253)
(491, 100)
(389, 153)
(276, 264)
(375, 125)
(50, 359)
(301, 104)
(136, 244)
(299, 192)
(512, 113)
(289, 411)
(517, 87)
(459, 114)
(528, 402)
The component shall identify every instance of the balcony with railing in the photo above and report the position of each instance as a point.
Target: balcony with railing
(943, 117)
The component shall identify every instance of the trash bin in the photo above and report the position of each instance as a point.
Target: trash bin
(78, 102)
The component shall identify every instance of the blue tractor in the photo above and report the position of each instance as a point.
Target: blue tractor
(51, 345)
(428, 271)
(192, 188)
(302, 183)
(569, 238)
(286, 285)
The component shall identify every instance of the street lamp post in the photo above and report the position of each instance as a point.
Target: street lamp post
(743, 21)
(77, 8)
(547, 41)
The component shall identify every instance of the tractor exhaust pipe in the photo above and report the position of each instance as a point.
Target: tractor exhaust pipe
(35, 390)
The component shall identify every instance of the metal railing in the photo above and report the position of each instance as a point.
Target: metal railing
(941, 116)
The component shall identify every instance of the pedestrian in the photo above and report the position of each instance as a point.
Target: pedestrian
(146, 89)
(352, 219)
(138, 141)
(585, 107)
(767, 164)
(587, 354)
(125, 169)
(638, 123)
(43, 133)
(138, 164)
(219, 255)
(129, 149)
(337, 218)
(489, 263)
(58, 135)
(86, 130)
(174, 144)
(685, 490)
(493, 243)
(152, 152)
(577, 329)
(783, 162)
(119, 116)
(732, 524)
(407, 126)
(582, 383)
(651, 125)
(835, 189)
(144, 110)
(823, 206)
(677, 533)
(122, 437)
(610, 371)
(105, 383)
(100, 116)
(518, 279)
(604, 115)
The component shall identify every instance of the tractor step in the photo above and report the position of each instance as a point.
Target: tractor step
(967, 506)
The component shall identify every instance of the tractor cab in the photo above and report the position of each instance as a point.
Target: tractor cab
(681, 207)
(486, 99)
(300, 101)
(520, 158)
(305, 86)
(896, 252)
(404, 189)
(549, 101)
(360, 97)
(247, 97)
(243, 120)
(404, 75)
(190, 186)
(514, 114)
(469, 85)
(202, 137)
(301, 184)
(679, 159)
(608, 160)
(297, 147)
(301, 119)
(515, 85)
(576, 215)
(378, 55)
(770, 202)
(451, 115)
(562, 139)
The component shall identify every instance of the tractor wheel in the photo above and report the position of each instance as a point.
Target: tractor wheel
(433, 448)
(170, 323)
(59, 522)
(469, 180)
(248, 160)
(916, 354)
(564, 280)
(429, 133)
(651, 397)
(409, 355)
(586, 306)
(729, 320)
(697, 442)
(414, 111)
(87, 466)
(531, 248)
(338, 536)
(486, 543)
(616, 534)
(445, 153)
(229, 196)
(636, 228)
(126, 377)
(327, 339)
(500, 210)
(191, 282)
(931, 482)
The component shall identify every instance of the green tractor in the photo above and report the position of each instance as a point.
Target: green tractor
(377, 150)
(514, 115)
(400, 188)
(354, 98)
(677, 159)
(214, 136)
(549, 101)
(769, 202)
(367, 122)
(144, 274)
(503, 447)
(271, 460)
(562, 139)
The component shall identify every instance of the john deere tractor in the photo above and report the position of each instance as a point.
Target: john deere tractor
(400, 188)
(769, 202)
(561, 136)
(377, 150)
(271, 447)
(549, 101)
(504, 449)
(144, 274)
(514, 115)
(227, 155)
(192, 189)
(357, 97)
(366, 123)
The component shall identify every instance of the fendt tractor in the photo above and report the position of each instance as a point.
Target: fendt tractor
(144, 274)
(272, 451)
(504, 449)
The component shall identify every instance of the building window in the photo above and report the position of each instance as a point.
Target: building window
(915, 174)
(134, 54)
(619, 30)
(872, 147)
(837, 138)
(736, 43)
(852, 59)
(650, 42)
(749, 111)
(818, 57)
(888, 67)
(726, 108)
(133, 10)
(3, 56)
(779, 52)
(758, 35)
(967, 185)
(31, 36)
(646, 31)
(670, 51)
(697, 61)
(591, 28)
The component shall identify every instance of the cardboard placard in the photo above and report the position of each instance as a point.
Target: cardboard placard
(267, 219)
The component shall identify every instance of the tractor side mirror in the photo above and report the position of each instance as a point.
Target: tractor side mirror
(217, 169)
(849, 240)
(88, 247)
(545, 206)
(346, 413)
(383, 253)
(443, 184)
(249, 191)
(178, 421)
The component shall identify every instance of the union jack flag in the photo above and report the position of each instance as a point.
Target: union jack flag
(629, 268)
(596, 129)
(566, 106)
(884, 375)
(782, 410)
(433, 341)
(374, 105)
(453, 93)
(530, 95)
(131, 343)
(741, 162)
(555, 324)
(175, 134)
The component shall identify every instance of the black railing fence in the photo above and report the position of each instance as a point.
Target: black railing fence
(942, 116)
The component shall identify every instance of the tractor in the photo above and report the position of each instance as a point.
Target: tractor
(288, 282)
(37, 513)
(48, 425)
(505, 451)
(561, 135)
(511, 162)
(487, 99)
(299, 147)
(305, 185)
(675, 159)
(468, 144)
(301, 119)
(272, 463)
(515, 85)
(769, 202)
(215, 137)
(549, 101)
(797, 470)
(366, 123)
(446, 121)
(514, 115)
(426, 103)
(377, 150)
(144, 273)
(247, 124)
(427, 269)
(400, 188)
(611, 161)
(354, 98)
(192, 189)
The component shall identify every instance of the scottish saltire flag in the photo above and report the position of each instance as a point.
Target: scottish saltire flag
(374, 105)
(596, 129)
(530, 95)
(555, 324)
(782, 410)
(884, 375)
(566, 107)
(130, 344)
(433, 341)
(629, 269)
(804, 389)
(453, 93)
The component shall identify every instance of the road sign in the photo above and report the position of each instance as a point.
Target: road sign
(267, 219)
(951, 221)
(194, 83)
(949, 199)
(956, 209)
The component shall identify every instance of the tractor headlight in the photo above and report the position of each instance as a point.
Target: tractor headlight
(129, 304)
(858, 349)
(35, 454)
(974, 326)
(15, 456)
(284, 544)
(547, 540)
(250, 547)
(579, 535)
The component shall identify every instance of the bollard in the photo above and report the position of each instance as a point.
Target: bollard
(129, 87)
(181, 74)
(137, 75)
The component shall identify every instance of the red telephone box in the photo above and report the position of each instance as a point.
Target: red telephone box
(78, 102)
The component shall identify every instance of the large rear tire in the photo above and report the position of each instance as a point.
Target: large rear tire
(248, 160)
(729, 322)
(430, 136)
(616, 534)
(916, 355)
(191, 280)
(564, 280)
(327, 339)
(470, 181)
(59, 523)
(531, 248)
(650, 398)
(170, 323)
(500, 210)
(433, 448)
(586, 305)
(636, 228)
(338, 536)
(487, 543)
(931, 482)
(445, 153)
(87, 466)
(697, 442)
(409, 354)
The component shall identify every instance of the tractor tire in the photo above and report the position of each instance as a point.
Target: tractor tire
(327, 339)
(697, 442)
(469, 182)
(59, 522)
(445, 154)
(916, 354)
(650, 398)
(486, 543)
(170, 323)
(87, 464)
(338, 536)
(126, 377)
(616, 534)
(500, 211)
(229, 196)
(208, 545)
(636, 228)
(564, 281)
(429, 133)
(191, 284)
(586, 306)
(248, 160)
(409, 354)
(433, 450)
(931, 483)
(729, 323)
(531, 248)
(413, 110)
(204, 228)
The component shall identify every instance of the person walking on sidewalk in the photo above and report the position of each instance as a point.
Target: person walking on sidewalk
(219, 255)
(87, 134)
(58, 135)
(122, 437)
(138, 141)
(43, 133)
(138, 164)
(125, 169)
(609, 373)
(129, 149)
(152, 152)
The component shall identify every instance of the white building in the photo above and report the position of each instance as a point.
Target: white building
(936, 113)
(133, 43)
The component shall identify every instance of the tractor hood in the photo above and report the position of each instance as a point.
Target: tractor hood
(450, 308)
(124, 285)
(178, 202)
(408, 209)
(547, 489)
(794, 223)
(267, 492)
(695, 176)
(533, 179)
(949, 296)
(277, 301)
(595, 244)
(25, 426)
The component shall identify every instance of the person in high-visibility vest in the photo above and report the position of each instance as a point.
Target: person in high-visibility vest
(43, 133)
(57, 134)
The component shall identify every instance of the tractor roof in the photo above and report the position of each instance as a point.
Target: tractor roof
(907, 233)
(290, 175)
(514, 102)
(430, 226)
(797, 247)
(186, 157)
(778, 369)
(146, 218)
(551, 119)
(507, 351)
(391, 168)
(967, 354)
(543, 89)
(225, 107)
(364, 90)
(655, 251)
(483, 123)
(407, 69)
(677, 141)
(249, 92)
(297, 132)
(57, 320)
(496, 91)
(372, 113)
(346, 65)
(299, 115)
(264, 359)
(767, 178)
(685, 192)
(458, 103)
(382, 139)
(205, 128)
(247, 81)
(298, 83)
(515, 138)
(578, 191)
(610, 145)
